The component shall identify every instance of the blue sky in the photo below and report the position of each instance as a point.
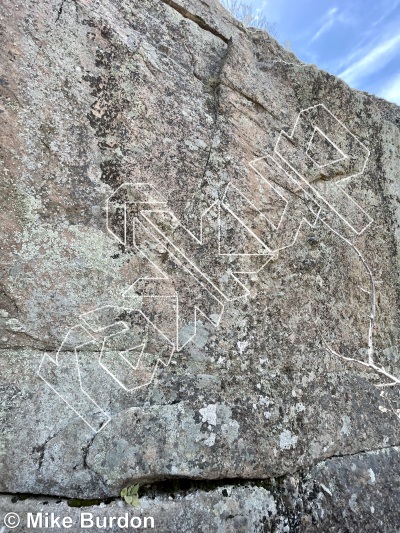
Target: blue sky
(357, 40)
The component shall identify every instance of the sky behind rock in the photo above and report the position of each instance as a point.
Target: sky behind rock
(359, 41)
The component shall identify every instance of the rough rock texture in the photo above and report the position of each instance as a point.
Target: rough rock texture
(151, 210)
(341, 495)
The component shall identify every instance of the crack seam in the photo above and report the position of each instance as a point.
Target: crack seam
(220, 481)
(201, 23)
(249, 99)
(60, 10)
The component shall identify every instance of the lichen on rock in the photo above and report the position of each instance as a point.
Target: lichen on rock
(200, 271)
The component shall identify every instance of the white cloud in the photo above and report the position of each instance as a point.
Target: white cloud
(391, 91)
(328, 21)
(375, 59)
(392, 7)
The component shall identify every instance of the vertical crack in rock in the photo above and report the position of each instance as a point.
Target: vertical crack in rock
(41, 448)
(86, 450)
(60, 10)
(217, 82)
(86, 465)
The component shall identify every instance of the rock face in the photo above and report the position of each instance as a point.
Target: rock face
(345, 494)
(199, 270)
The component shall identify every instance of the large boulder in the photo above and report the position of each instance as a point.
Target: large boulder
(200, 261)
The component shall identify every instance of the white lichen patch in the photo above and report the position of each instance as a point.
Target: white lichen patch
(13, 324)
(346, 428)
(209, 414)
(211, 440)
(287, 440)
(372, 476)
(353, 502)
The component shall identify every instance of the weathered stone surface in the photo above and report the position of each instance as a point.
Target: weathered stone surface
(344, 494)
(355, 493)
(186, 106)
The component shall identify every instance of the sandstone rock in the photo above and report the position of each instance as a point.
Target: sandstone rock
(196, 231)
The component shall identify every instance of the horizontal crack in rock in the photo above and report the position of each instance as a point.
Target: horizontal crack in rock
(183, 485)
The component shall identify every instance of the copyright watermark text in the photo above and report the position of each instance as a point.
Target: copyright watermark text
(85, 520)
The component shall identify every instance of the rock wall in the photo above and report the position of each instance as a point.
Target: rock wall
(343, 494)
(199, 272)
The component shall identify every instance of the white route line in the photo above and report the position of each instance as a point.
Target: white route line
(317, 130)
(178, 346)
(337, 184)
(281, 222)
(118, 207)
(56, 362)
